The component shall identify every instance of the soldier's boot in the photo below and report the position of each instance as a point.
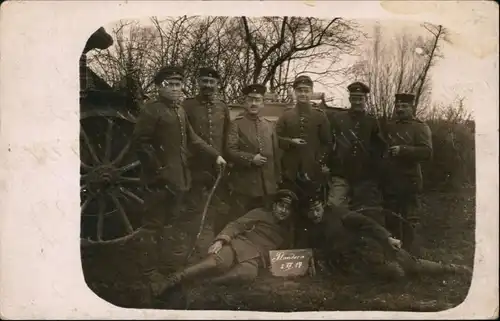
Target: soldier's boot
(458, 269)
(409, 241)
(391, 271)
(172, 282)
(146, 249)
(421, 266)
(245, 272)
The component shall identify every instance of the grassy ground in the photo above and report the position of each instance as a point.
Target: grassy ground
(448, 222)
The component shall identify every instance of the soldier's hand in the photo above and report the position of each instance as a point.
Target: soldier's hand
(220, 161)
(395, 243)
(394, 150)
(325, 169)
(259, 160)
(215, 248)
(298, 141)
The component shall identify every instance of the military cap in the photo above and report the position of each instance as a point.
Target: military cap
(314, 202)
(100, 39)
(405, 98)
(282, 193)
(254, 89)
(358, 87)
(169, 72)
(302, 80)
(208, 72)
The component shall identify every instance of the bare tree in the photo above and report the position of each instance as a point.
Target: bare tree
(270, 50)
(285, 46)
(400, 64)
(438, 33)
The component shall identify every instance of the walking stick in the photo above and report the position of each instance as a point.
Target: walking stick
(204, 214)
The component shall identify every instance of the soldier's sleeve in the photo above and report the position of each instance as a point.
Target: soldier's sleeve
(233, 150)
(284, 141)
(365, 225)
(422, 149)
(378, 144)
(332, 158)
(227, 125)
(197, 142)
(325, 135)
(143, 134)
(331, 121)
(186, 104)
(238, 226)
(277, 156)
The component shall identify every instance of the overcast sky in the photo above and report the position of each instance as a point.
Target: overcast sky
(458, 73)
(470, 64)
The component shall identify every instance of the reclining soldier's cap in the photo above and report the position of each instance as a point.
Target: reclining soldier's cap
(169, 72)
(405, 98)
(315, 203)
(208, 72)
(282, 193)
(254, 89)
(302, 80)
(358, 88)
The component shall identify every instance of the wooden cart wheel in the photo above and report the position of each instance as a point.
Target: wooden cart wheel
(110, 190)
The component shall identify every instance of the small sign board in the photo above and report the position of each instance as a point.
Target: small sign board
(293, 262)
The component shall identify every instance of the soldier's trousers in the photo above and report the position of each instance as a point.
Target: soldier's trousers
(405, 264)
(196, 199)
(161, 212)
(338, 193)
(239, 205)
(222, 267)
(355, 195)
(161, 207)
(406, 205)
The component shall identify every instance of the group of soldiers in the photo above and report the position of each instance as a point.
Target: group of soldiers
(331, 179)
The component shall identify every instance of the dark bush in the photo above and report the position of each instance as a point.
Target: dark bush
(453, 165)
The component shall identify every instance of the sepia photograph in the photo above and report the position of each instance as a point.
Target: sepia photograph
(274, 164)
(262, 159)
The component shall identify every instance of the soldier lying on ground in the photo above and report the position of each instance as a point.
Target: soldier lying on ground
(357, 244)
(241, 248)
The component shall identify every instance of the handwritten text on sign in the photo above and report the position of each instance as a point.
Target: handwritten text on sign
(295, 262)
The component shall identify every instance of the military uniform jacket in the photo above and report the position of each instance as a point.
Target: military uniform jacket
(255, 234)
(161, 137)
(403, 172)
(350, 239)
(247, 137)
(210, 120)
(312, 125)
(358, 146)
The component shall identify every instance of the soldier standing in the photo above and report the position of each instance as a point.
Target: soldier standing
(305, 138)
(252, 147)
(209, 117)
(162, 135)
(358, 150)
(410, 142)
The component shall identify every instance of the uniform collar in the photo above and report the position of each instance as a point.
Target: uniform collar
(253, 117)
(404, 121)
(357, 112)
(205, 99)
(168, 103)
(304, 108)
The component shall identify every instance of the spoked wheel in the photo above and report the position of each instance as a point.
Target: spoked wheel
(110, 190)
